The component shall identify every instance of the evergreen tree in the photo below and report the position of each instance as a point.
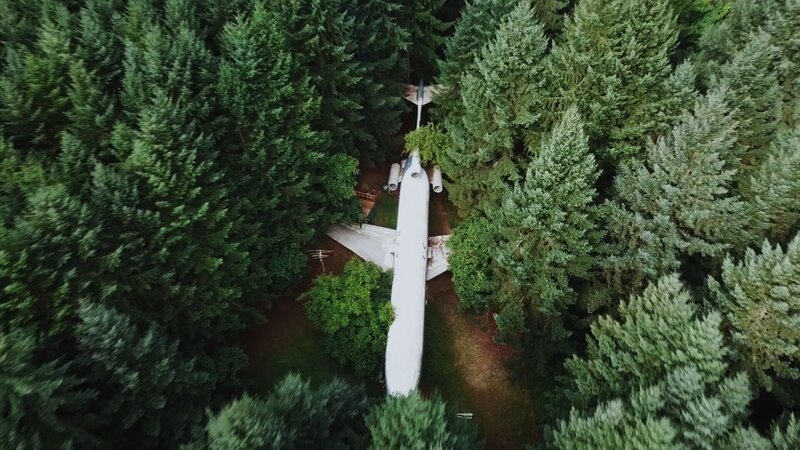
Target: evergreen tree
(782, 26)
(677, 201)
(100, 42)
(19, 176)
(760, 296)
(40, 402)
(419, 18)
(501, 99)
(152, 396)
(43, 257)
(413, 422)
(293, 416)
(33, 103)
(477, 25)
(381, 44)
(613, 64)
(720, 42)
(167, 224)
(551, 14)
(546, 223)
(659, 332)
(683, 411)
(773, 192)
(92, 113)
(754, 97)
(274, 149)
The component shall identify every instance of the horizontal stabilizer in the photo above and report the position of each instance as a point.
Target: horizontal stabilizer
(437, 256)
(411, 94)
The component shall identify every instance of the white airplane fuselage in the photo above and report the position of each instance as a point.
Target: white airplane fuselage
(404, 344)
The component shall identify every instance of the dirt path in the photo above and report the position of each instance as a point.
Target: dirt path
(501, 406)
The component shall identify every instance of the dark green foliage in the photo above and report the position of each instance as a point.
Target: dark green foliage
(501, 104)
(354, 312)
(151, 395)
(419, 18)
(760, 297)
(676, 201)
(613, 64)
(293, 416)
(381, 42)
(39, 401)
(43, 271)
(471, 262)
(546, 224)
(19, 176)
(412, 422)
(33, 100)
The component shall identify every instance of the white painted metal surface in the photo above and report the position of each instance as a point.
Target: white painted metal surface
(404, 344)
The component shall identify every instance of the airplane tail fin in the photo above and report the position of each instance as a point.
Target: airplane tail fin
(411, 94)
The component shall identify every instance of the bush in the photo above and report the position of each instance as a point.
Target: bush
(354, 311)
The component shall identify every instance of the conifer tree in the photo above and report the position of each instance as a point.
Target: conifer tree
(92, 112)
(613, 63)
(19, 177)
(760, 297)
(413, 422)
(547, 224)
(677, 201)
(42, 261)
(33, 84)
(269, 97)
(773, 192)
(151, 394)
(782, 26)
(293, 416)
(659, 331)
(99, 41)
(381, 44)
(657, 377)
(477, 26)
(754, 97)
(425, 31)
(40, 403)
(501, 103)
(720, 42)
(551, 14)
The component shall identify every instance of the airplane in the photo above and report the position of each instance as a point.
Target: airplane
(414, 257)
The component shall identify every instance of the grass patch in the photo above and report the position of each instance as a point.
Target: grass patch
(384, 213)
(289, 342)
(439, 372)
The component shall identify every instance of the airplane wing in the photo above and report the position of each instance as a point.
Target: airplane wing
(372, 243)
(437, 256)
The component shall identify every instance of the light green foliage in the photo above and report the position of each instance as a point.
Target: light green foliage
(472, 248)
(613, 63)
(720, 42)
(680, 412)
(773, 192)
(546, 224)
(658, 332)
(411, 422)
(760, 296)
(431, 142)
(783, 27)
(150, 392)
(477, 25)
(38, 400)
(293, 416)
(657, 378)
(550, 14)
(501, 102)
(753, 95)
(676, 201)
(354, 312)
(789, 438)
